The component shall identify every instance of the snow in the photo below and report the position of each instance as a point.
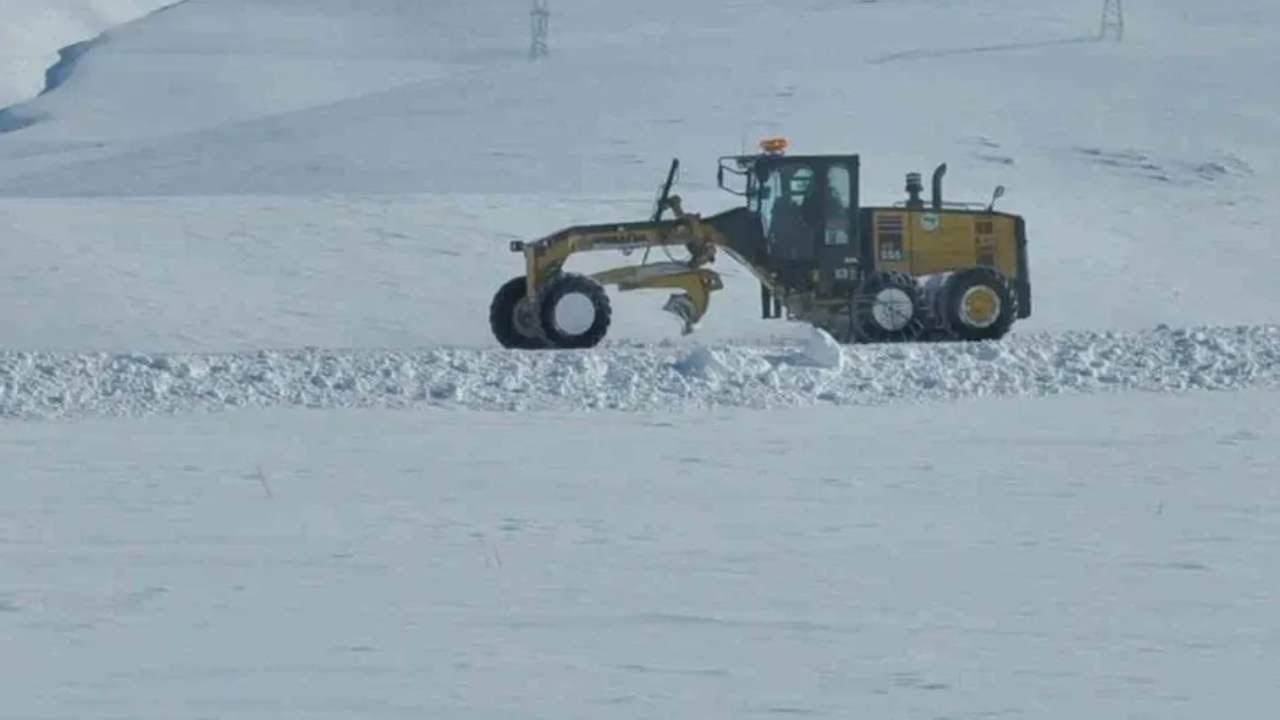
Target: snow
(260, 456)
(34, 31)
(636, 378)
(1087, 556)
(250, 144)
(822, 350)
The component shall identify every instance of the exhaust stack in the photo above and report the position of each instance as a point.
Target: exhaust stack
(937, 185)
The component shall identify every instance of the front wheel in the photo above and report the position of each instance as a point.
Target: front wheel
(512, 317)
(574, 311)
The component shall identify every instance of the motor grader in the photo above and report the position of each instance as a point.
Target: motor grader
(916, 270)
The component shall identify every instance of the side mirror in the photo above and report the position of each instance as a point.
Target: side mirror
(720, 176)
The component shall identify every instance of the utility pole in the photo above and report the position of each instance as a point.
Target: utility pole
(540, 17)
(1112, 20)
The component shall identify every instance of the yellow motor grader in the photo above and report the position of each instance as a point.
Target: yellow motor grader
(917, 270)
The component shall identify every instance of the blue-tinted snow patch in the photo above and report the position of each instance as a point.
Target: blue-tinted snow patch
(14, 118)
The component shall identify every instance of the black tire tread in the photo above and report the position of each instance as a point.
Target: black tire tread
(565, 283)
(964, 279)
(502, 317)
(865, 329)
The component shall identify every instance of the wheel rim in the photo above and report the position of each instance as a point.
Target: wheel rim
(574, 314)
(980, 307)
(892, 309)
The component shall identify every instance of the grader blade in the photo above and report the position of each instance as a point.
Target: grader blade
(689, 306)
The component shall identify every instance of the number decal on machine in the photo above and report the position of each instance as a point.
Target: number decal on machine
(889, 232)
(891, 251)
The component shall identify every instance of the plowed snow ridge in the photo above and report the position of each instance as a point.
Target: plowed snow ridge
(43, 385)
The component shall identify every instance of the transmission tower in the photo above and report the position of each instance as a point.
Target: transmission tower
(1112, 20)
(540, 17)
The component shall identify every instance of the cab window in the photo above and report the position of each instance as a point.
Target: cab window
(839, 205)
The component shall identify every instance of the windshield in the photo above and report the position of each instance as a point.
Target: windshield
(782, 183)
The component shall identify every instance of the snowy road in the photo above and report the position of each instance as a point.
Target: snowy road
(1050, 559)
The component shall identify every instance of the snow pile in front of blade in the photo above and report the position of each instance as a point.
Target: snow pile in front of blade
(44, 385)
(822, 350)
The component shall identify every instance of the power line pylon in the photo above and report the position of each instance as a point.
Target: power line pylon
(1112, 20)
(540, 17)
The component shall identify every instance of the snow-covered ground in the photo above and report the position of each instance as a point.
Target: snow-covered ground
(230, 215)
(1056, 559)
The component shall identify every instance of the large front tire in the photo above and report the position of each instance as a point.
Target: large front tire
(512, 317)
(574, 311)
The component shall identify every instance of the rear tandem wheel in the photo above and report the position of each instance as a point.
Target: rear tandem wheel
(888, 307)
(977, 303)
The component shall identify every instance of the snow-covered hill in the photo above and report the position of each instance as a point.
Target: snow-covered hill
(373, 159)
(33, 34)
(307, 96)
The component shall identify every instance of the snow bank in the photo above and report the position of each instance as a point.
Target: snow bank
(42, 385)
